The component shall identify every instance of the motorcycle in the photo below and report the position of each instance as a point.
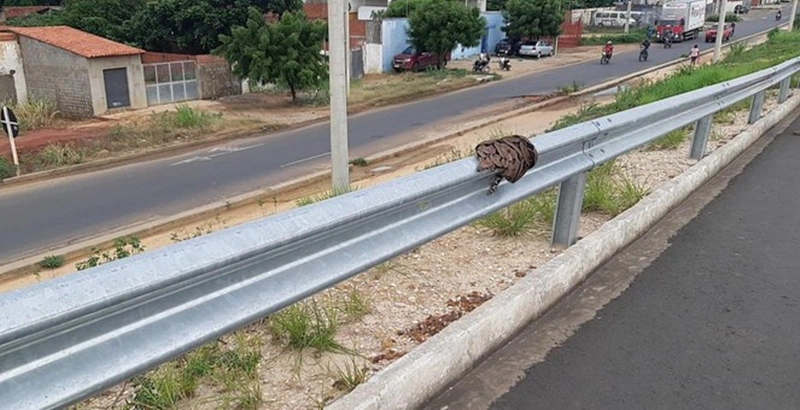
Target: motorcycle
(605, 58)
(668, 40)
(504, 63)
(481, 66)
(778, 16)
(643, 54)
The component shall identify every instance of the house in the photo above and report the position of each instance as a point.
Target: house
(84, 74)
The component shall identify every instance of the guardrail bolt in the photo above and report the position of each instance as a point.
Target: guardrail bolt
(702, 129)
(568, 211)
(756, 107)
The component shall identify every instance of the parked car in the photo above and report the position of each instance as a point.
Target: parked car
(743, 8)
(506, 44)
(711, 34)
(412, 60)
(536, 48)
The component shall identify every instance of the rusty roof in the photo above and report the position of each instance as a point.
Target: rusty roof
(75, 41)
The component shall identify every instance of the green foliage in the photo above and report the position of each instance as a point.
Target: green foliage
(286, 52)
(307, 325)
(531, 215)
(779, 48)
(22, 3)
(123, 247)
(533, 19)
(439, 25)
(633, 37)
(403, 8)
(729, 17)
(608, 193)
(6, 169)
(671, 140)
(51, 262)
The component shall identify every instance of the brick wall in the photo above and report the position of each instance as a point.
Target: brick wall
(57, 75)
(215, 78)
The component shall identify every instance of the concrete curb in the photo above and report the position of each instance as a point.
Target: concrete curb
(27, 265)
(426, 370)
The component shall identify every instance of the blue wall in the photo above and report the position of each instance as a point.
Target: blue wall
(394, 38)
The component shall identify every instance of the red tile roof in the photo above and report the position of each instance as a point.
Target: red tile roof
(76, 41)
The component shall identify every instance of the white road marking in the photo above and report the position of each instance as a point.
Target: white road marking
(305, 159)
(192, 159)
(216, 152)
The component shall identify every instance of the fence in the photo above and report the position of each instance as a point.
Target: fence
(68, 338)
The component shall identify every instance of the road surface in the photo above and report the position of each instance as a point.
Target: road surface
(710, 318)
(55, 213)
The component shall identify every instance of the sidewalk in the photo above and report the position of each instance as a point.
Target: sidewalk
(712, 323)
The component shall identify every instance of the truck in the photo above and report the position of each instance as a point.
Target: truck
(684, 18)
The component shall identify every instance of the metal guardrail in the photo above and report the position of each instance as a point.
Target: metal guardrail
(66, 339)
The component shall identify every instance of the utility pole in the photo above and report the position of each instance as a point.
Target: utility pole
(337, 65)
(628, 17)
(792, 14)
(720, 30)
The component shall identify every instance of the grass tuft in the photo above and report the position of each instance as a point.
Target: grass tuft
(307, 325)
(532, 215)
(670, 141)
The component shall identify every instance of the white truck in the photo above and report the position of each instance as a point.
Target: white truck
(682, 18)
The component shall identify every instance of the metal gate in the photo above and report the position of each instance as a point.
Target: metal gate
(171, 82)
(356, 63)
(116, 84)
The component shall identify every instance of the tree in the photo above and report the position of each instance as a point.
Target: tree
(187, 26)
(286, 52)
(440, 25)
(532, 19)
(404, 8)
(279, 6)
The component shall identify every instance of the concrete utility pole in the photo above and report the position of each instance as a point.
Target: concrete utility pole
(792, 14)
(628, 17)
(338, 95)
(720, 31)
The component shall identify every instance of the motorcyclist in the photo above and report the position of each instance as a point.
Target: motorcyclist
(646, 45)
(608, 49)
(778, 16)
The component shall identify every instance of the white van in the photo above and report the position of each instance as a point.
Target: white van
(615, 18)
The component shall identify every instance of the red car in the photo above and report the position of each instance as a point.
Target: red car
(412, 60)
(711, 34)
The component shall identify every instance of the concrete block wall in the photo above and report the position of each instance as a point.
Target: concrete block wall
(57, 75)
(215, 78)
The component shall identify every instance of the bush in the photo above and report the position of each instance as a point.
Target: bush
(634, 36)
(34, 114)
(6, 169)
(729, 17)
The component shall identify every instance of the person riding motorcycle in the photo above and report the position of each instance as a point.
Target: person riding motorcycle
(646, 45)
(778, 15)
(608, 49)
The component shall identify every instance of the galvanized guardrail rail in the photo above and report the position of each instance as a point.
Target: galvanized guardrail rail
(66, 339)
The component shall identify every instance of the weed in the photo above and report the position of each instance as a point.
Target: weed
(123, 247)
(349, 377)
(671, 140)
(323, 196)
(386, 267)
(736, 51)
(570, 88)
(306, 326)
(54, 156)
(51, 262)
(187, 117)
(34, 113)
(354, 305)
(452, 155)
(359, 162)
(6, 169)
(610, 193)
(523, 217)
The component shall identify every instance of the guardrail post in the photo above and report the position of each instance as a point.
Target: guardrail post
(756, 107)
(568, 211)
(783, 95)
(702, 128)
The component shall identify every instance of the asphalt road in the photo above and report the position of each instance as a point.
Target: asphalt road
(42, 216)
(711, 321)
